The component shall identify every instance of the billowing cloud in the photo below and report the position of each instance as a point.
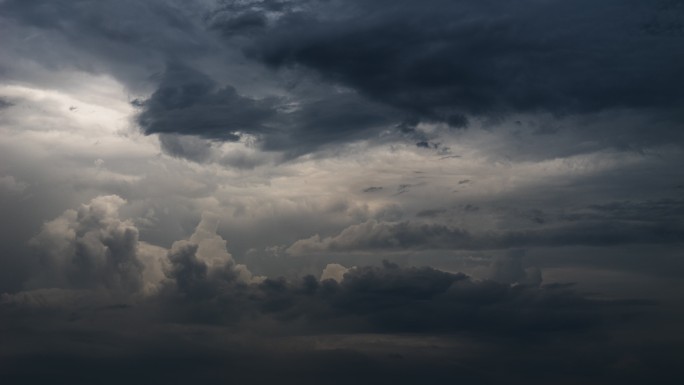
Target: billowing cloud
(90, 248)
(334, 271)
(383, 66)
(93, 250)
(371, 309)
(341, 191)
(102, 276)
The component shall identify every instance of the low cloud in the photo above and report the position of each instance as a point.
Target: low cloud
(92, 248)
(375, 235)
(91, 255)
(98, 272)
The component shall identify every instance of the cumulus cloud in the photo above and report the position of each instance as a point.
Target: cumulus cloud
(344, 119)
(92, 255)
(206, 248)
(90, 248)
(97, 261)
(385, 299)
(334, 271)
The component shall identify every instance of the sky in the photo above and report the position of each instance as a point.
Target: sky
(338, 192)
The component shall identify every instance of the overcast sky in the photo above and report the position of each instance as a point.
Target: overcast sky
(341, 191)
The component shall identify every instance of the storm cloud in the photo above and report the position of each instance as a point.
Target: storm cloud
(442, 62)
(190, 103)
(389, 309)
(340, 72)
(443, 57)
(343, 192)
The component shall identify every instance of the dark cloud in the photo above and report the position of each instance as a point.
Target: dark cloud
(92, 260)
(253, 84)
(385, 299)
(201, 150)
(385, 64)
(5, 104)
(671, 210)
(191, 103)
(212, 317)
(232, 23)
(430, 213)
(389, 299)
(484, 58)
(125, 39)
(405, 324)
(509, 269)
(187, 147)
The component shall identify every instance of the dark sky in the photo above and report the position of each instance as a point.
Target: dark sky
(341, 192)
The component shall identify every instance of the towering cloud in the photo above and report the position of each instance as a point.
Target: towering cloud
(90, 248)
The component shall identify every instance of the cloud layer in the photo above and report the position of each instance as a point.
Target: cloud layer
(341, 191)
(102, 276)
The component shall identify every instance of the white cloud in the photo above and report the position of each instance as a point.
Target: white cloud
(93, 248)
(335, 272)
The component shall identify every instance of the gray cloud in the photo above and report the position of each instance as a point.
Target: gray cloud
(126, 39)
(342, 119)
(89, 252)
(415, 313)
(374, 235)
(386, 65)
(204, 298)
(484, 58)
(5, 104)
(468, 59)
(509, 269)
(188, 147)
(90, 248)
(189, 102)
